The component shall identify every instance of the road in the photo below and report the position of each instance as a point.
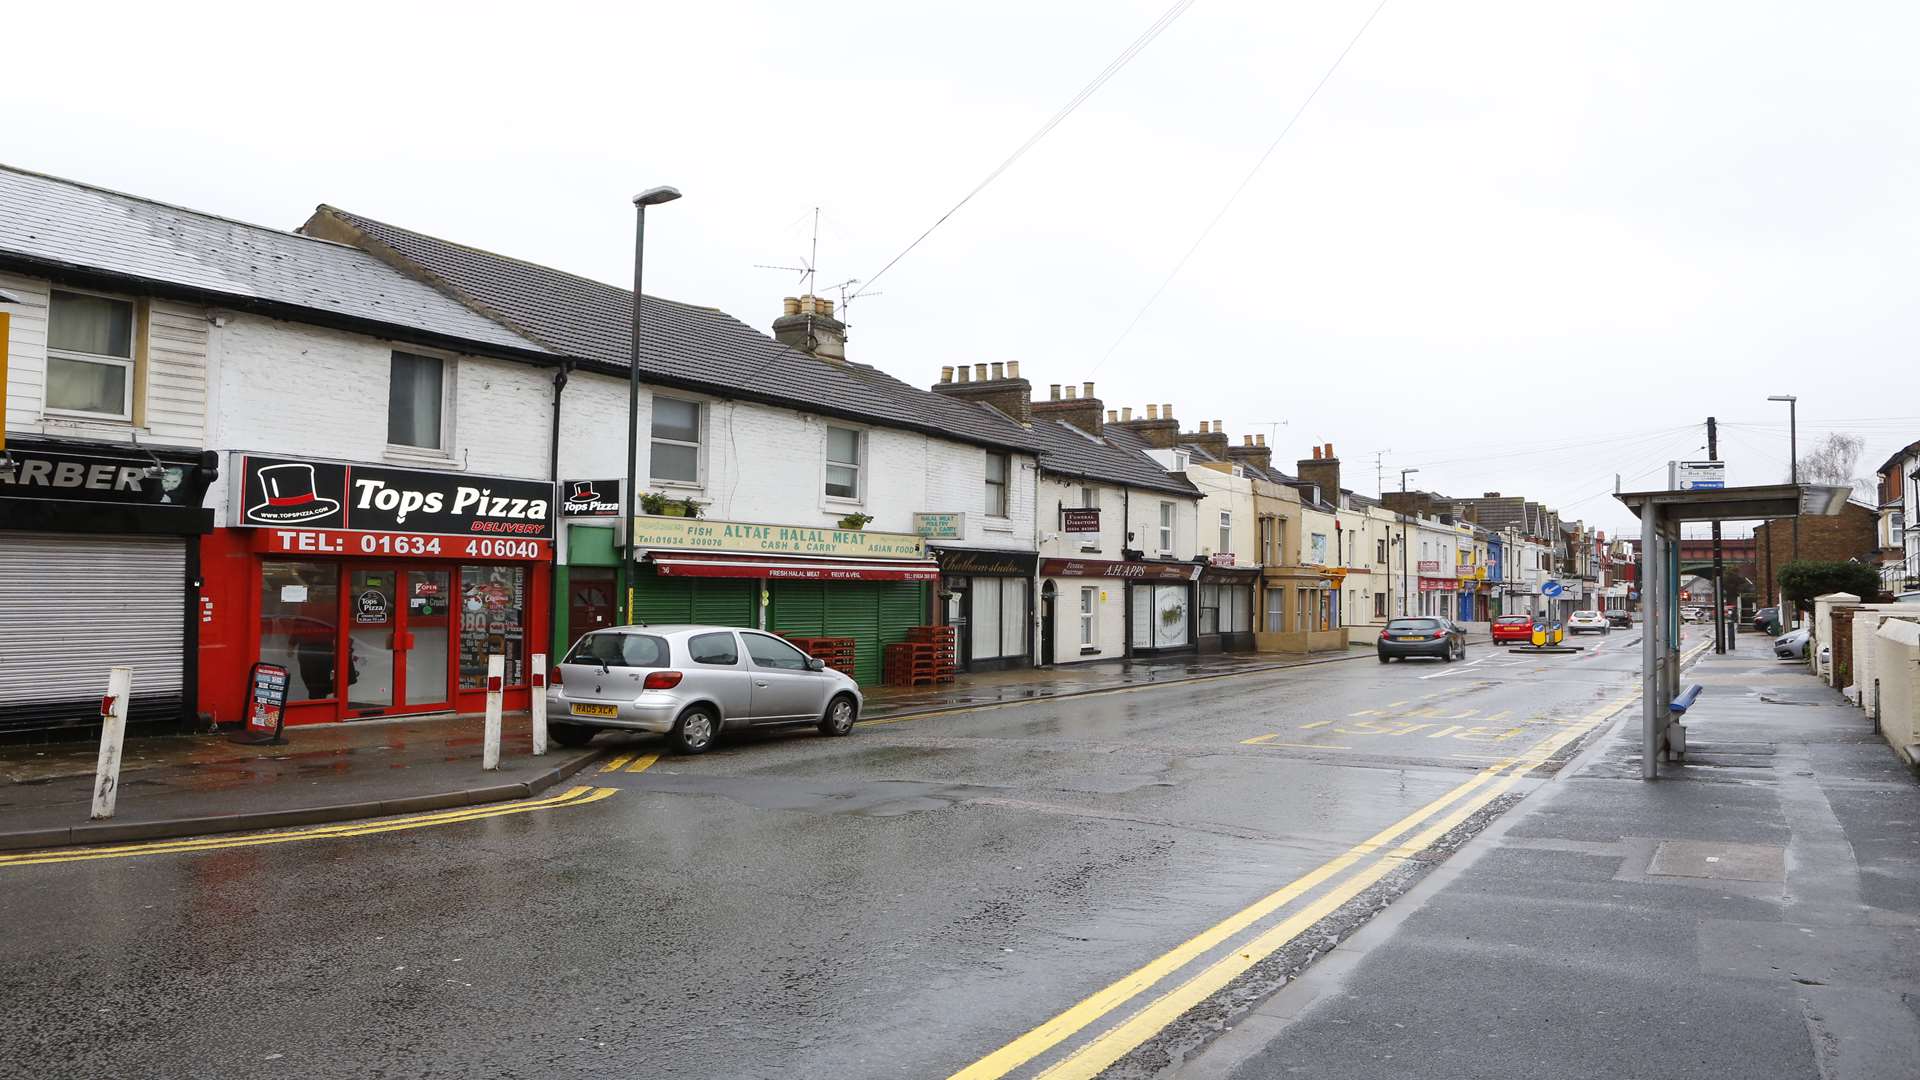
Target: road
(1062, 887)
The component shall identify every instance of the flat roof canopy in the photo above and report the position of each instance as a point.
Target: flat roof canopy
(1739, 503)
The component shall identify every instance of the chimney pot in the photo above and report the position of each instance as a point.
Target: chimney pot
(790, 306)
(1259, 440)
(1316, 453)
(1219, 427)
(1053, 391)
(824, 306)
(1246, 440)
(1329, 449)
(1013, 369)
(1086, 389)
(1070, 396)
(999, 372)
(1113, 416)
(965, 373)
(1166, 411)
(979, 373)
(1153, 412)
(1126, 414)
(946, 373)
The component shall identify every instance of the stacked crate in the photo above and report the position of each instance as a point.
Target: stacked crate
(836, 651)
(942, 646)
(909, 663)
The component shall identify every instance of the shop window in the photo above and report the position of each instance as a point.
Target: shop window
(1160, 616)
(1013, 616)
(1209, 609)
(843, 463)
(998, 466)
(90, 355)
(492, 607)
(985, 620)
(300, 626)
(1276, 611)
(675, 458)
(1166, 528)
(416, 394)
(1242, 618)
(1089, 596)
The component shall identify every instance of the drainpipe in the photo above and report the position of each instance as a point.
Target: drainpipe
(553, 473)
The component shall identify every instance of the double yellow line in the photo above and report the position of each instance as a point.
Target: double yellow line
(1116, 1042)
(575, 796)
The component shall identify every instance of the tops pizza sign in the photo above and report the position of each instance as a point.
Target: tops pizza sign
(372, 498)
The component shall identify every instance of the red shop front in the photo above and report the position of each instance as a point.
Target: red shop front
(382, 591)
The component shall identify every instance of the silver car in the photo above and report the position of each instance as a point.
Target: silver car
(691, 683)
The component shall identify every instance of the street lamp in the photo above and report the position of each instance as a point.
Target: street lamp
(1793, 465)
(628, 565)
(1404, 473)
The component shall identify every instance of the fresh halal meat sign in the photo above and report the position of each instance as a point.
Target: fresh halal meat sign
(330, 495)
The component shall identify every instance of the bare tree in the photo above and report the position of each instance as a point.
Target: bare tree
(1833, 460)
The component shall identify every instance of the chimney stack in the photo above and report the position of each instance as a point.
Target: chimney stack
(806, 323)
(1004, 389)
(1159, 430)
(1323, 469)
(1250, 452)
(1082, 410)
(1212, 438)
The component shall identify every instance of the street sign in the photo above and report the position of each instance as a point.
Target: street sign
(1701, 475)
(266, 706)
(1551, 588)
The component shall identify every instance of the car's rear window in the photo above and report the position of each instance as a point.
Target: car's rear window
(1414, 624)
(1584, 614)
(1521, 619)
(617, 649)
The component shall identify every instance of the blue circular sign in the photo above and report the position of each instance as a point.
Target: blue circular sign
(1551, 588)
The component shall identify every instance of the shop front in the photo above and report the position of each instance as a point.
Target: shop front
(795, 580)
(1156, 610)
(1226, 599)
(99, 559)
(986, 596)
(1438, 596)
(382, 591)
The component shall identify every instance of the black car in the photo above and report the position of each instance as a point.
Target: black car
(1765, 618)
(1621, 619)
(1415, 635)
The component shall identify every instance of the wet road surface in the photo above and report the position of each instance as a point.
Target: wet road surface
(969, 891)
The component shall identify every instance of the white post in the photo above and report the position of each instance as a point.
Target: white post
(539, 703)
(113, 732)
(496, 677)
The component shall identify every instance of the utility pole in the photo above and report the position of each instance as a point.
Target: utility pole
(1719, 603)
(1404, 544)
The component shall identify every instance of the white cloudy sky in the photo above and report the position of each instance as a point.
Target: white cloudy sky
(1502, 229)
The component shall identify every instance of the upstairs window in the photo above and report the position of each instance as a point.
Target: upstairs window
(1226, 531)
(843, 463)
(90, 355)
(675, 456)
(1166, 527)
(997, 470)
(416, 392)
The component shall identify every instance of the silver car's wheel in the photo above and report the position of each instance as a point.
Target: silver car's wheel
(839, 717)
(695, 731)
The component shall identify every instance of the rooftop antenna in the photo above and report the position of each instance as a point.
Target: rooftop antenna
(1273, 429)
(807, 266)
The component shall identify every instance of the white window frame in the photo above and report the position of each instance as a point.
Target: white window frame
(858, 464)
(1090, 500)
(1089, 601)
(129, 362)
(1005, 484)
(442, 454)
(701, 429)
(1226, 531)
(1166, 528)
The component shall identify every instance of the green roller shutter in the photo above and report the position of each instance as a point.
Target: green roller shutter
(873, 614)
(853, 611)
(659, 599)
(724, 601)
(796, 608)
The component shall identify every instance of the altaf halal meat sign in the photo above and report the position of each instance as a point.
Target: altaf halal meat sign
(299, 499)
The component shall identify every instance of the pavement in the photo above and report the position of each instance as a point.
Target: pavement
(1033, 886)
(192, 784)
(1755, 913)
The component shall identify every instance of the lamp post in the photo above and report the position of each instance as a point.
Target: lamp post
(628, 565)
(1793, 466)
(1404, 473)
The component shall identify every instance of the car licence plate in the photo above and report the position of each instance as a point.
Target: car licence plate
(1421, 637)
(595, 710)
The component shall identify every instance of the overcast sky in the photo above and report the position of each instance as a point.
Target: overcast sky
(1500, 230)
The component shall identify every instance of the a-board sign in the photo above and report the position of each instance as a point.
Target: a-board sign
(266, 704)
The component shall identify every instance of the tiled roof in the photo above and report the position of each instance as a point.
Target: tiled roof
(59, 224)
(1499, 513)
(682, 345)
(1119, 457)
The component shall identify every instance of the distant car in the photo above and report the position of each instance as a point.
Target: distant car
(691, 684)
(1588, 622)
(1429, 635)
(1620, 619)
(1765, 617)
(1513, 628)
(1792, 646)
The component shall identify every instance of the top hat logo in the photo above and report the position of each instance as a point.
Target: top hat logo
(290, 496)
(583, 492)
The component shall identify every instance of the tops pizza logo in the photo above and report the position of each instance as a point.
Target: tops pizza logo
(592, 498)
(375, 498)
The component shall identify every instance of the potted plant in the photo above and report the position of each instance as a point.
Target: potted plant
(654, 502)
(661, 504)
(855, 521)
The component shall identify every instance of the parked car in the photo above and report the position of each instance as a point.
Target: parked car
(1792, 646)
(692, 684)
(1588, 622)
(1620, 619)
(1513, 628)
(1429, 635)
(1765, 617)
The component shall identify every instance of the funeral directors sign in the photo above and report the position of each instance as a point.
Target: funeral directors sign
(700, 534)
(300, 505)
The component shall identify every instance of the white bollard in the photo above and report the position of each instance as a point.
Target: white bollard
(113, 732)
(496, 677)
(538, 704)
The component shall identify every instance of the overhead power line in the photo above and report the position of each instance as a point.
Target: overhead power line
(1140, 43)
(1235, 196)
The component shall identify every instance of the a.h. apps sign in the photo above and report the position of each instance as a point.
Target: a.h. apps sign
(303, 501)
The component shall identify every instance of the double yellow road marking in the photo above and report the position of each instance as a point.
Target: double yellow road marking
(575, 796)
(1116, 1042)
(631, 763)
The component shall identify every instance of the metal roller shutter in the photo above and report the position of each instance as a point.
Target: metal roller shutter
(72, 606)
(797, 608)
(724, 602)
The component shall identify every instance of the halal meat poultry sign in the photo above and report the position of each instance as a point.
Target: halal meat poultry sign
(332, 508)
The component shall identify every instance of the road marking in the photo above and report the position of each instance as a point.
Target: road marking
(616, 763)
(1365, 712)
(643, 762)
(1094, 1057)
(1445, 731)
(1258, 739)
(576, 796)
(1395, 704)
(1309, 745)
(1442, 674)
(1315, 724)
(1461, 715)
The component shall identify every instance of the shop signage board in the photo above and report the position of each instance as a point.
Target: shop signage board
(965, 562)
(408, 545)
(279, 493)
(745, 537)
(1428, 584)
(794, 570)
(1130, 571)
(108, 477)
(1080, 519)
(1428, 566)
(1221, 558)
(590, 498)
(938, 526)
(1701, 475)
(266, 705)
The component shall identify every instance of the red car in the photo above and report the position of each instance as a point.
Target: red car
(1513, 628)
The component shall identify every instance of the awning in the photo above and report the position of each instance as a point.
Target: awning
(748, 566)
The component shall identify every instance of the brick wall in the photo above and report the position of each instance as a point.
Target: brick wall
(1849, 534)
